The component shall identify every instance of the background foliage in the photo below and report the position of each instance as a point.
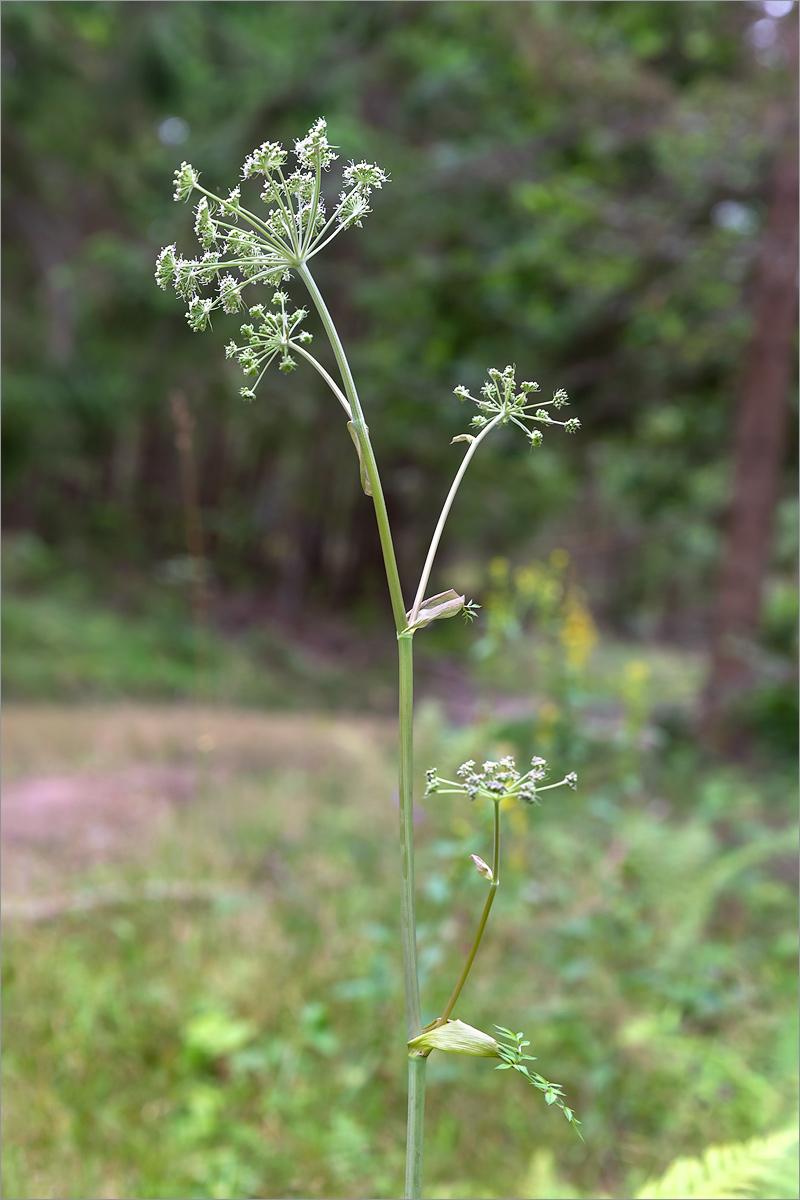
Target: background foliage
(576, 187)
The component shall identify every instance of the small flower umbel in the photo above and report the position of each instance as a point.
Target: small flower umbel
(498, 780)
(501, 399)
(274, 334)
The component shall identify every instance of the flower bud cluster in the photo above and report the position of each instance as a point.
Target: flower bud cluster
(502, 397)
(199, 312)
(497, 780)
(275, 335)
(185, 181)
(166, 265)
(204, 227)
(240, 248)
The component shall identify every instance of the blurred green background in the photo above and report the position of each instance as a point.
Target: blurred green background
(201, 980)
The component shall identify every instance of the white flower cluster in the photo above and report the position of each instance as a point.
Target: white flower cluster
(496, 780)
(313, 150)
(500, 397)
(269, 157)
(185, 181)
(361, 178)
(240, 248)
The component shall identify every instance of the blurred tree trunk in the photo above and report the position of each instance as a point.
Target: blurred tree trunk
(758, 448)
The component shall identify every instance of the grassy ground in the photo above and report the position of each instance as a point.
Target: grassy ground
(201, 981)
(202, 994)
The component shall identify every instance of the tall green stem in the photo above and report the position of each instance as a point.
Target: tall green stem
(408, 924)
(408, 928)
(360, 427)
(417, 1067)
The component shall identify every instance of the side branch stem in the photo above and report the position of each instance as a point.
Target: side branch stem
(487, 908)
(448, 504)
(337, 391)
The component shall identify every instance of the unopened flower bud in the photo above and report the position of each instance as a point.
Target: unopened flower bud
(432, 781)
(482, 868)
(456, 1038)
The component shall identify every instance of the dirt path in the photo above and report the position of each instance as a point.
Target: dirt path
(86, 786)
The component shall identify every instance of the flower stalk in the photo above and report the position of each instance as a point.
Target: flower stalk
(242, 249)
(487, 908)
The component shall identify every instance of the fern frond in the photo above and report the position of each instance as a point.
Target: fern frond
(764, 1168)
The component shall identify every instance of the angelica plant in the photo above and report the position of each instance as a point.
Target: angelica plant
(244, 250)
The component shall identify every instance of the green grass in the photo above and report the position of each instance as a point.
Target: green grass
(212, 1006)
(64, 638)
(248, 1042)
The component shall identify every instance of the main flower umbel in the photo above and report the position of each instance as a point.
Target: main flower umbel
(242, 248)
